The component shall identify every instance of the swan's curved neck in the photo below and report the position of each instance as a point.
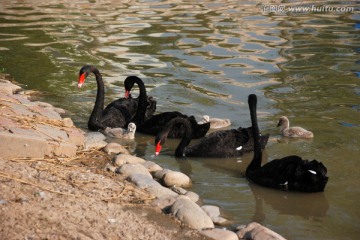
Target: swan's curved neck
(96, 115)
(142, 104)
(256, 162)
(185, 141)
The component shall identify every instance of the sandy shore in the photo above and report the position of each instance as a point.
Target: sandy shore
(51, 188)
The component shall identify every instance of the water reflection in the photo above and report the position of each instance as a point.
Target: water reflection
(303, 205)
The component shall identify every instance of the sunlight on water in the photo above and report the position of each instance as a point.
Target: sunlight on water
(205, 58)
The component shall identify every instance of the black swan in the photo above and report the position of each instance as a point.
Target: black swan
(115, 115)
(225, 143)
(132, 103)
(290, 173)
(155, 124)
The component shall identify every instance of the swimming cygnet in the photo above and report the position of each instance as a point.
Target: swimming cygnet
(288, 131)
(215, 122)
(128, 133)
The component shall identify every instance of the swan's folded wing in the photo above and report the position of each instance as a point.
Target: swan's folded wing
(226, 143)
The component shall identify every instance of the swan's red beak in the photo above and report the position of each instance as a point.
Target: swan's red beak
(81, 80)
(158, 148)
(127, 93)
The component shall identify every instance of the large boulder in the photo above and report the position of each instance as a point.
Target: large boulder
(219, 234)
(190, 214)
(256, 231)
(173, 178)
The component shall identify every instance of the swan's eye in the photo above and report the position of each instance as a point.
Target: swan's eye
(313, 172)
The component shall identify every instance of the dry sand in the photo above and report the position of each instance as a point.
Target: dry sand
(76, 199)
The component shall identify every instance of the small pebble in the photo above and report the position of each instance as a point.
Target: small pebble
(112, 220)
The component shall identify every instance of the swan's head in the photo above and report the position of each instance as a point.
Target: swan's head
(83, 73)
(129, 84)
(206, 119)
(159, 141)
(132, 127)
(283, 121)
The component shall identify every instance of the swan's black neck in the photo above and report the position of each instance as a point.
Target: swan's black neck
(96, 115)
(139, 117)
(185, 141)
(256, 162)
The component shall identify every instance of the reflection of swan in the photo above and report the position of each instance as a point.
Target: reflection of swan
(290, 173)
(225, 143)
(288, 203)
(296, 132)
(292, 140)
(215, 122)
(128, 133)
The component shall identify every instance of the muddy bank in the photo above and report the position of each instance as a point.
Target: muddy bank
(56, 185)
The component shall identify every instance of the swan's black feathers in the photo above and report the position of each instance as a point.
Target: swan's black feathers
(224, 143)
(298, 174)
(157, 123)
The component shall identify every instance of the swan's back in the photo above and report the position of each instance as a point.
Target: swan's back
(157, 123)
(291, 173)
(225, 143)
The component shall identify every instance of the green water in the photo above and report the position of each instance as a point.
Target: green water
(205, 58)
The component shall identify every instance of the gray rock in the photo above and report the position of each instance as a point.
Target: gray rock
(219, 234)
(152, 167)
(256, 231)
(59, 110)
(115, 148)
(160, 191)
(43, 104)
(109, 167)
(68, 122)
(181, 191)
(220, 221)
(178, 190)
(132, 168)
(8, 88)
(142, 181)
(172, 178)
(214, 213)
(94, 140)
(191, 214)
(125, 158)
(165, 201)
(160, 174)
(192, 196)
(211, 211)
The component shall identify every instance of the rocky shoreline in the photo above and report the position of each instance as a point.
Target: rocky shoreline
(35, 138)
